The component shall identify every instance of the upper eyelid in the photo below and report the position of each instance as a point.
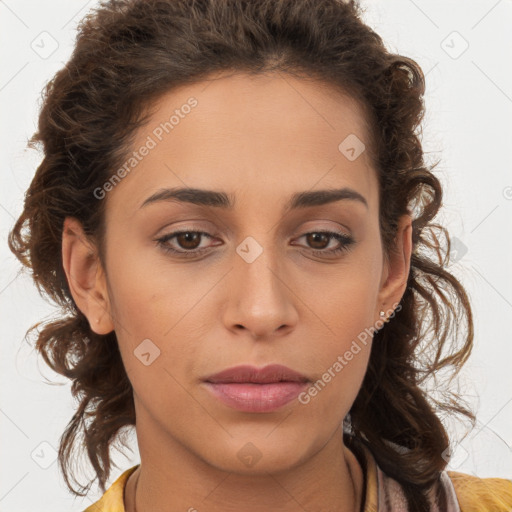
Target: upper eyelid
(213, 231)
(212, 234)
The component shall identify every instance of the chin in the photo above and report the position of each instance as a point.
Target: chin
(257, 455)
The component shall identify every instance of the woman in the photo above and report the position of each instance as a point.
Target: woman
(234, 213)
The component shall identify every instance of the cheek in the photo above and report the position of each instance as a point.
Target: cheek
(148, 295)
(157, 340)
(343, 308)
(159, 313)
(343, 296)
(340, 359)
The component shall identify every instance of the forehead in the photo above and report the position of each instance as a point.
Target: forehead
(268, 135)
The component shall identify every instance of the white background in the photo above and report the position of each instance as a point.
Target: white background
(468, 125)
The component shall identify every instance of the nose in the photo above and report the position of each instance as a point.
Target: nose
(260, 300)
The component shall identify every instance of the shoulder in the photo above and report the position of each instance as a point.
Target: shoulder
(113, 498)
(482, 494)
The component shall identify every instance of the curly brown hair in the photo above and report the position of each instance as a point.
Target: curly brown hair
(127, 54)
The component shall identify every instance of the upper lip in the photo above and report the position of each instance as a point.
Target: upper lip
(265, 375)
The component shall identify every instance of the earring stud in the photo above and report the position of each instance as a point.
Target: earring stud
(383, 314)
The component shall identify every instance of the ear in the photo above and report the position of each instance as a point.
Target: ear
(396, 269)
(85, 276)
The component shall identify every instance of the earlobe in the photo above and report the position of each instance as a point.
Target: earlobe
(85, 276)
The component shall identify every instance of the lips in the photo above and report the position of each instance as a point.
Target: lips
(256, 390)
(251, 374)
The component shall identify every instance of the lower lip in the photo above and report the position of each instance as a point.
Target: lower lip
(249, 397)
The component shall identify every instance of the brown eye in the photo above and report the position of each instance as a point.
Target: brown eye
(318, 240)
(184, 243)
(189, 240)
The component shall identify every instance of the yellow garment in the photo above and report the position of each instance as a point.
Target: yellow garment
(113, 498)
(472, 493)
(482, 494)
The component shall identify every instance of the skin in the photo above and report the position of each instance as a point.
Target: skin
(260, 139)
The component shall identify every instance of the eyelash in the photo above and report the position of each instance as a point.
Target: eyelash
(346, 243)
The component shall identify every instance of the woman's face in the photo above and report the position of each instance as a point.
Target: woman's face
(261, 285)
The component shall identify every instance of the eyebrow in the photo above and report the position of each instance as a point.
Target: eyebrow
(213, 198)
